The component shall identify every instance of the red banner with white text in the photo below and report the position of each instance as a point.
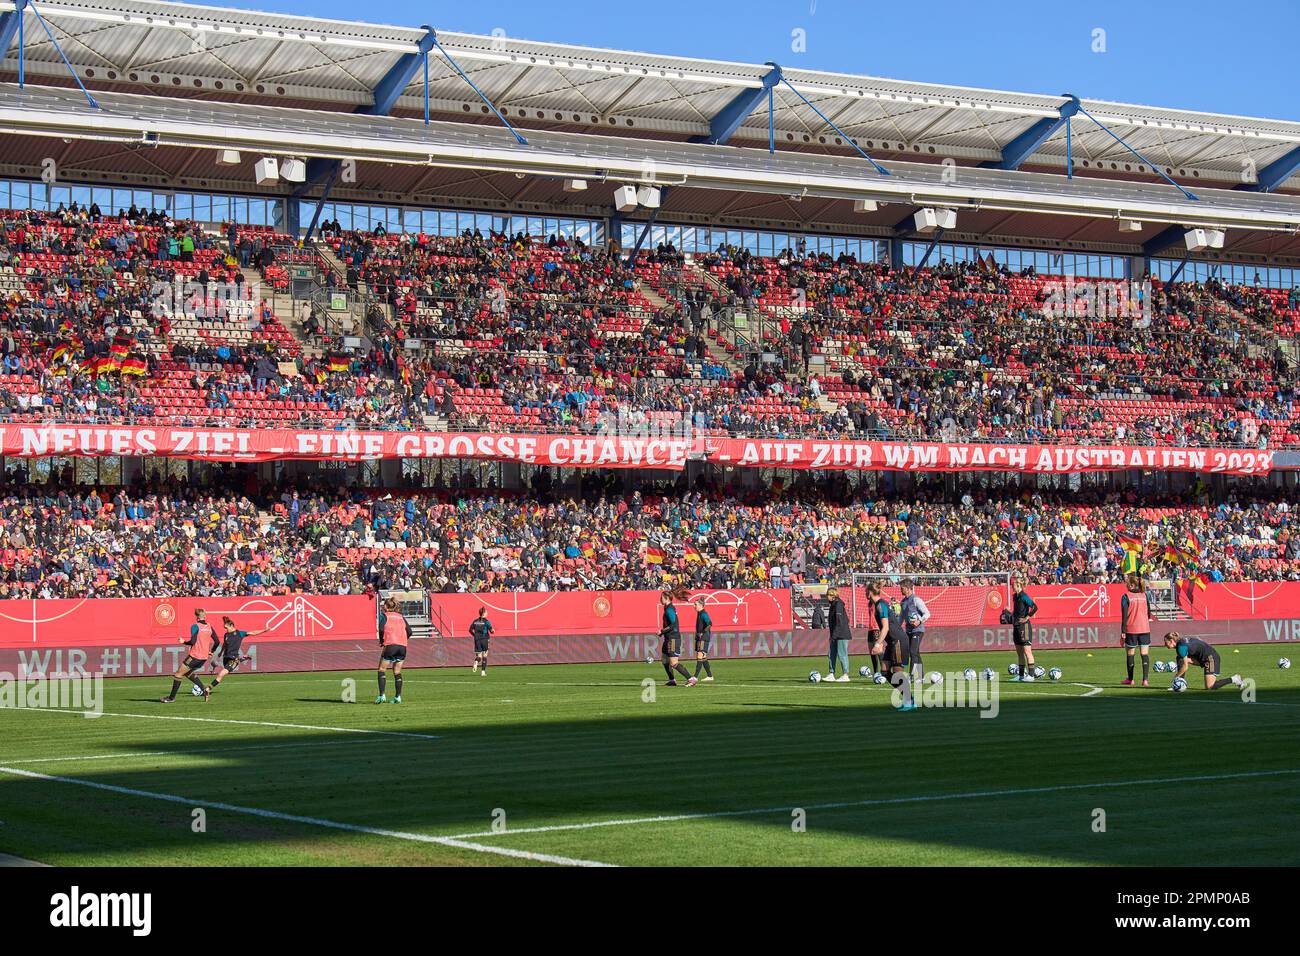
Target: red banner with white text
(590, 451)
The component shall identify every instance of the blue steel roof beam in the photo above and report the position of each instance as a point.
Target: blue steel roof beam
(9, 27)
(399, 77)
(1031, 140)
(1275, 173)
(732, 116)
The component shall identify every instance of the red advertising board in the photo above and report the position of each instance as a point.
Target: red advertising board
(142, 637)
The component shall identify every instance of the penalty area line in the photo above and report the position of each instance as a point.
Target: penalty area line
(231, 720)
(448, 841)
(849, 804)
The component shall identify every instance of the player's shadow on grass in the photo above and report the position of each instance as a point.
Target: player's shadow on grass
(1022, 785)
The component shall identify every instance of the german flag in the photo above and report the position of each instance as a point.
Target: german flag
(60, 351)
(1193, 543)
(338, 363)
(1201, 580)
(120, 347)
(1173, 555)
(1130, 543)
(691, 554)
(588, 549)
(134, 366)
(654, 556)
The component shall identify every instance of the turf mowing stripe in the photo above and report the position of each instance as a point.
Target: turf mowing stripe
(252, 723)
(971, 795)
(132, 754)
(449, 841)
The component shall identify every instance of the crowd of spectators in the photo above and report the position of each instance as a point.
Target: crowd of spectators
(163, 537)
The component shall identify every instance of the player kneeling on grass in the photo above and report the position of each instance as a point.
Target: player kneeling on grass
(232, 641)
(394, 633)
(1022, 631)
(481, 630)
(671, 633)
(1193, 650)
(703, 640)
(201, 644)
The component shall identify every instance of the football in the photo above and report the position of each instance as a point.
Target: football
(1054, 673)
(1013, 669)
(1160, 667)
(1179, 685)
(969, 673)
(913, 620)
(1284, 663)
(196, 691)
(990, 673)
(934, 677)
(814, 678)
(1039, 670)
(881, 679)
(864, 671)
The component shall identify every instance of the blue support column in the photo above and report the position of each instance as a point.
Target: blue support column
(1275, 173)
(1170, 236)
(896, 252)
(729, 119)
(925, 259)
(1031, 140)
(293, 216)
(640, 241)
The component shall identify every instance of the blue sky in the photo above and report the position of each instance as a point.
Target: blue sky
(1223, 57)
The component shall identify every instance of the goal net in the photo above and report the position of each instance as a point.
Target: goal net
(953, 599)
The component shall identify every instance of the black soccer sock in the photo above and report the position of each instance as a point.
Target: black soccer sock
(1146, 666)
(197, 681)
(1130, 668)
(875, 663)
(699, 666)
(668, 669)
(176, 686)
(397, 683)
(484, 665)
(215, 682)
(708, 671)
(683, 671)
(383, 683)
(1223, 683)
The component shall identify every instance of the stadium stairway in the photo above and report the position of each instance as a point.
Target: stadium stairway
(717, 354)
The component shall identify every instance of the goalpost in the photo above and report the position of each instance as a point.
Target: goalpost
(969, 598)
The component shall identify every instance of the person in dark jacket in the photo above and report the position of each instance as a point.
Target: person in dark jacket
(838, 622)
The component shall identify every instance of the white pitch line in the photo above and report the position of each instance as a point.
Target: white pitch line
(969, 795)
(250, 723)
(450, 841)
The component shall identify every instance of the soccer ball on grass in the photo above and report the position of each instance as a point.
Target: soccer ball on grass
(814, 678)
(1179, 685)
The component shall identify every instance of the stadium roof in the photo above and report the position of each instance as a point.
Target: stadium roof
(237, 55)
(560, 95)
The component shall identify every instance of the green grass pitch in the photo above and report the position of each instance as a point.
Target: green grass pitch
(555, 764)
